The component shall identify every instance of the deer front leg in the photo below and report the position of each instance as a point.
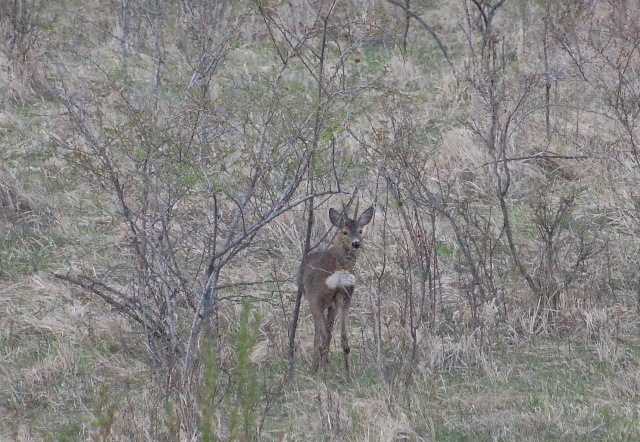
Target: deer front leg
(321, 337)
(332, 312)
(344, 302)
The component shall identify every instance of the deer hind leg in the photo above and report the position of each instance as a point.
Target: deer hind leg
(344, 301)
(320, 336)
(323, 331)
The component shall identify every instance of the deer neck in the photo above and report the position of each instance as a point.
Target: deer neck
(346, 256)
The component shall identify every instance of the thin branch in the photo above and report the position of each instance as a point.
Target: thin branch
(430, 30)
(127, 306)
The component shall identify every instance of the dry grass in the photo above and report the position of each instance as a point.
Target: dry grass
(502, 368)
(58, 355)
(76, 371)
(536, 389)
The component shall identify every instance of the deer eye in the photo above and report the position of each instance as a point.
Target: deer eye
(360, 231)
(344, 232)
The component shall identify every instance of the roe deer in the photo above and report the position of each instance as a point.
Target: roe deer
(328, 282)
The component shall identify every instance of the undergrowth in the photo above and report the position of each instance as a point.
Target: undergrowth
(156, 181)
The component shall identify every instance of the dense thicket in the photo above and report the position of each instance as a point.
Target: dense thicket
(185, 155)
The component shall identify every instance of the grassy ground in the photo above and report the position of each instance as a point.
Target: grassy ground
(510, 368)
(75, 372)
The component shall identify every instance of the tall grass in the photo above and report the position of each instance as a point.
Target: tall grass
(497, 295)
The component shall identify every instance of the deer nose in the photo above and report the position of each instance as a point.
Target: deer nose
(355, 244)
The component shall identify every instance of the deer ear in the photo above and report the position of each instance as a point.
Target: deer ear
(335, 217)
(365, 217)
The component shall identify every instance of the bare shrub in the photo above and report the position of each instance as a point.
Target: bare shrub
(21, 29)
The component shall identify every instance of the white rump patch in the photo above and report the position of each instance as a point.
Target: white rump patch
(340, 278)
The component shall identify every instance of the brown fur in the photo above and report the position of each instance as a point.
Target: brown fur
(320, 265)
